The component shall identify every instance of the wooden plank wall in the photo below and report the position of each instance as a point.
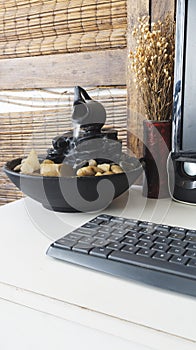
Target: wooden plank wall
(103, 67)
(135, 113)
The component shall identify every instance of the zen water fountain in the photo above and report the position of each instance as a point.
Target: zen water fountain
(89, 139)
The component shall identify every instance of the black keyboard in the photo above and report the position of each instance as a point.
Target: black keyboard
(160, 255)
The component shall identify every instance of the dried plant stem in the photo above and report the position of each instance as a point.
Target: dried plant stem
(153, 65)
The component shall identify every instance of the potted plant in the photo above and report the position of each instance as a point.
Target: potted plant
(152, 63)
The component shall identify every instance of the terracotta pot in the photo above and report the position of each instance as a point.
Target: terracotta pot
(156, 148)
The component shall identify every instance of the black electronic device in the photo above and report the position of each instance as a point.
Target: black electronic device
(182, 164)
(156, 254)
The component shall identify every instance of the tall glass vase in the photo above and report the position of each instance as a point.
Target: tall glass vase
(156, 148)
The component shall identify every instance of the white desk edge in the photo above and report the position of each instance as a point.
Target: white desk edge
(124, 308)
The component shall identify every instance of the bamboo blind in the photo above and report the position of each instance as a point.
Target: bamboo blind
(48, 114)
(42, 27)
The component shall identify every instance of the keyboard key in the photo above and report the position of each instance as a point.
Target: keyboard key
(190, 254)
(178, 235)
(100, 252)
(191, 232)
(85, 239)
(105, 229)
(144, 244)
(130, 249)
(122, 226)
(161, 233)
(176, 251)
(131, 241)
(163, 227)
(133, 228)
(178, 230)
(147, 238)
(64, 243)
(84, 231)
(82, 248)
(146, 230)
(191, 246)
(120, 232)
(73, 236)
(190, 238)
(100, 243)
(178, 260)
(104, 217)
(96, 221)
(114, 238)
(192, 263)
(176, 243)
(101, 235)
(131, 234)
(132, 222)
(163, 240)
(90, 225)
(144, 252)
(160, 247)
(147, 224)
(107, 224)
(118, 220)
(162, 256)
(115, 246)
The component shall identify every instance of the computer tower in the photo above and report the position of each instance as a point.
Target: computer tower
(182, 162)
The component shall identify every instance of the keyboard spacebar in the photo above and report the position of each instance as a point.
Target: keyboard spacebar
(155, 264)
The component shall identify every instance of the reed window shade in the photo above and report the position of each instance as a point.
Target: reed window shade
(34, 27)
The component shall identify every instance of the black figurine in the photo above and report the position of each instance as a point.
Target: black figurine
(88, 140)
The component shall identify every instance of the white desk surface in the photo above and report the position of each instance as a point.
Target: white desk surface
(35, 287)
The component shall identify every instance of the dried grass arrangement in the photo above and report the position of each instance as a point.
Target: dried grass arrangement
(153, 65)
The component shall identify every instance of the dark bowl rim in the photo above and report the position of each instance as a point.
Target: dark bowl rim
(12, 172)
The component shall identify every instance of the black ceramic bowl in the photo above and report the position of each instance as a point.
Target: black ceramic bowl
(73, 194)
